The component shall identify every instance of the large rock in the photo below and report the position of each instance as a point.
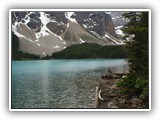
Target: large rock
(17, 16)
(55, 28)
(57, 16)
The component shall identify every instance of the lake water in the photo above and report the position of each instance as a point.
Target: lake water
(58, 83)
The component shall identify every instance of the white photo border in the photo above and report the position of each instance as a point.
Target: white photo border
(73, 10)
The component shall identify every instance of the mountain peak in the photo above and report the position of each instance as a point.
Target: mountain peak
(48, 32)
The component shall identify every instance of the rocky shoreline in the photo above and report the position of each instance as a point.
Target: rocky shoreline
(108, 96)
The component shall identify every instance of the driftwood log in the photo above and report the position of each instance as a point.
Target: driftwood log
(113, 76)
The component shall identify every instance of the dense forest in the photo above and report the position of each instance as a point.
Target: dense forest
(19, 55)
(137, 81)
(90, 50)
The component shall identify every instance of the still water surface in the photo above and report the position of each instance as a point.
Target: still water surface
(58, 83)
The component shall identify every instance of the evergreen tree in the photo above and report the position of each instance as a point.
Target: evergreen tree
(137, 82)
(15, 42)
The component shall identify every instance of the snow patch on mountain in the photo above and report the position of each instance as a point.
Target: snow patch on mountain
(108, 12)
(29, 40)
(15, 16)
(67, 25)
(56, 46)
(84, 25)
(36, 40)
(90, 26)
(119, 31)
(44, 28)
(114, 41)
(44, 18)
(118, 27)
(130, 37)
(90, 14)
(96, 34)
(114, 18)
(27, 19)
(58, 37)
(14, 29)
(19, 35)
(82, 41)
(38, 44)
(68, 16)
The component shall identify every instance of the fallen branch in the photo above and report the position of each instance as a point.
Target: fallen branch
(99, 95)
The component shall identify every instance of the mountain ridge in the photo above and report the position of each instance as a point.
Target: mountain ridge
(43, 33)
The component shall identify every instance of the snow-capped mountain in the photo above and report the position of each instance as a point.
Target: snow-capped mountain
(43, 33)
(119, 22)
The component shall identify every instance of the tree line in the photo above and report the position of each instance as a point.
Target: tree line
(137, 81)
(90, 50)
(78, 51)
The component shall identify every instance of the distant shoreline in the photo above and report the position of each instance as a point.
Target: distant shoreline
(68, 59)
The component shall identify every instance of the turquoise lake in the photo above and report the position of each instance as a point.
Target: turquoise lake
(59, 83)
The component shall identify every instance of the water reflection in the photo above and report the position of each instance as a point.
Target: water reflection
(44, 85)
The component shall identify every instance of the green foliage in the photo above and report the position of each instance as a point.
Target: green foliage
(46, 57)
(145, 94)
(90, 50)
(132, 85)
(127, 85)
(142, 88)
(136, 82)
(15, 42)
(19, 55)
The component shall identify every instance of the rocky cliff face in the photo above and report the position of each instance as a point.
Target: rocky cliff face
(43, 33)
(99, 22)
